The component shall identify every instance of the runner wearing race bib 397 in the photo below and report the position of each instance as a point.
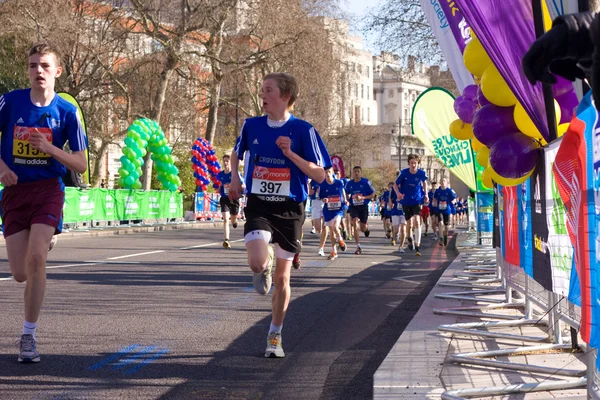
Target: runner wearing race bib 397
(283, 152)
(229, 208)
(360, 191)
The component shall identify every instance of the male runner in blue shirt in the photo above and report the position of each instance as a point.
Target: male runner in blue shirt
(411, 189)
(284, 151)
(36, 123)
(229, 208)
(360, 192)
(334, 198)
(444, 196)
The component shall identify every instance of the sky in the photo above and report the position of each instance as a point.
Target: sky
(359, 8)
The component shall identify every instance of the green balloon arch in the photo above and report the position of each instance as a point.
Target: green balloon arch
(145, 135)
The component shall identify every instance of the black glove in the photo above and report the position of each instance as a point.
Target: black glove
(567, 68)
(551, 46)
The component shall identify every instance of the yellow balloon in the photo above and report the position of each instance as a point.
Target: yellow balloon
(508, 181)
(476, 144)
(461, 130)
(495, 89)
(486, 178)
(483, 157)
(475, 57)
(562, 129)
(526, 125)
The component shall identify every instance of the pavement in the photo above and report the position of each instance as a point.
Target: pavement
(419, 367)
(163, 312)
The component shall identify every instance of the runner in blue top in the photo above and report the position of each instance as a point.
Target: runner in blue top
(444, 196)
(347, 220)
(284, 152)
(36, 123)
(466, 210)
(386, 211)
(360, 192)
(334, 197)
(411, 188)
(229, 208)
(343, 225)
(459, 209)
(398, 220)
(316, 212)
(433, 210)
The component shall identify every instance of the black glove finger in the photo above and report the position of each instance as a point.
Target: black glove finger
(567, 68)
(535, 62)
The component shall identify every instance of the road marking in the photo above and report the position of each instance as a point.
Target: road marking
(6, 279)
(208, 245)
(405, 278)
(73, 265)
(135, 255)
(113, 357)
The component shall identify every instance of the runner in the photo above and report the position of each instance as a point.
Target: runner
(347, 216)
(425, 214)
(229, 208)
(334, 196)
(385, 205)
(411, 189)
(284, 152)
(444, 196)
(361, 192)
(343, 225)
(459, 210)
(433, 211)
(36, 123)
(316, 212)
(398, 220)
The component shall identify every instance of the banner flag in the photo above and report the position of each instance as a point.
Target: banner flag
(542, 267)
(441, 28)
(511, 225)
(525, 237)
(485, 212)
(432, 114)
(501, 221)
(497, 239)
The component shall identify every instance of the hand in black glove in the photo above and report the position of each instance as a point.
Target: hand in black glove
(549, 47)
(567, 68)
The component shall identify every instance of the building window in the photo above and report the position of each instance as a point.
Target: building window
(356, 115)
(391, 93)
(362, 115)
(405, 96)
(353, 66)
(406, 115)
(356, 90)
(374, 94)
(368, 90)
(376, 156)
(368, 114)
(362, 91)
(368, 72)
(414, 97)
(359, 69)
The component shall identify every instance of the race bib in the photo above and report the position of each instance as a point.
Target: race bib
(23, 153)
(318, 193)
(434, 202)
(226, 189)
(399, 207)
(334, 203)
(443, 205)
(356, 202)
(271, 181)
(388, 206)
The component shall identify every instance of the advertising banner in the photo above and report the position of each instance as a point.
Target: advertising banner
(485, 212)
(511, 225)
(542, 267)
(525, 236)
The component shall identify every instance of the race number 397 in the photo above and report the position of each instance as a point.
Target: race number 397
(271, 181)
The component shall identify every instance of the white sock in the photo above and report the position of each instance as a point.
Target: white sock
(275, 329)
(29, 328)
(418, 235)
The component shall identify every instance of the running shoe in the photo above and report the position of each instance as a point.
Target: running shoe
(388, 236)
(445, 240)
(441, 241)
(345, 235)
(52, 242)
(425, 233)
(296, 262)
(226, 244)
(358, 251)
(367, 232)
(313, 230)
(274, 349)
(342, 245)
(417, 251)
(410, 244)
(332, 256)
(393, 242)
(321, 252)
(402, 250)
(263, 280)
(234, 224)
(28, 350)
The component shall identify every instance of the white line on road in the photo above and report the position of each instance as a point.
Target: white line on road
(208, 245)
(72, 265)
(135, 255)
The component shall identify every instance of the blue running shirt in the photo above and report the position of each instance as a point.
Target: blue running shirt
(315, 186)
(410, 185)
(335, 199)
(58, 122)
(444, 199)
(362, 187)
(270, 173)
(225, 179)
(396, 204)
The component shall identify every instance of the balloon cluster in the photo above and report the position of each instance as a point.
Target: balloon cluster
(205, 164)
(502, 134)
(143, 135)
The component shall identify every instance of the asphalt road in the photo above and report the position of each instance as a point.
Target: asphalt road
(172, 315)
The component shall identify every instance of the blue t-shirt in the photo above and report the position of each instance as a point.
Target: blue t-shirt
(386, 203)
(336, 199)
(225, 179)
(396, 204)
(362, 187)
(316, 187)
(430, 196)
(444, 198)
(59, 122)
(270, 174)
(410, 185)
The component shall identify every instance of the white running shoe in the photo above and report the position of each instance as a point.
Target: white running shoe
(274, 349)
(401, 249)
(321, 252)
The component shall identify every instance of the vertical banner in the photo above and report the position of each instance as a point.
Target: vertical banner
(338, 163)
(450, 48)
(496, 239)
(542, 267)
(559, 243)
(458, 25)
(511, 225)
(485, 212)
(500, 197)
(432, 114)
(525, 237)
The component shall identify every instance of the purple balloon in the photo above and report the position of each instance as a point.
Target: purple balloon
(470, 92)
(481, 98)
(568, 103)
(492, 123)
(465, 110)
(513, 156)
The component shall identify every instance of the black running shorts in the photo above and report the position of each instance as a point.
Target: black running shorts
(360, 212)
(411, 211)
(228, 205)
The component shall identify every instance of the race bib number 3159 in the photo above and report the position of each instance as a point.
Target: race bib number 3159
(271, 181)
(23, 153)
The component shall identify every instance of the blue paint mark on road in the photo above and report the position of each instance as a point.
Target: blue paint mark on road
(132, 358)
(147, 361)
(113, 357)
